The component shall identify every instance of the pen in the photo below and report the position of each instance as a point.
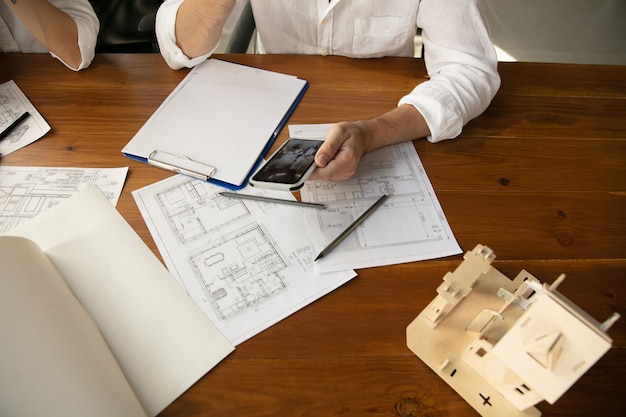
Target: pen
(13, 125)
(272, 200)
(353, 226)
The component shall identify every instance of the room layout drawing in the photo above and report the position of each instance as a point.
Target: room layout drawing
(13, 103)
(246, 264)
(411, 219)
(26, 192)
(11, 109)
(233, 284)
(184, 203)
(236, 270)
(389, 172)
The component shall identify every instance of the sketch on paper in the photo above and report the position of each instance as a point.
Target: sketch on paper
(12, 104)
(9, 113)
(233, 284)
(246, 264)
(184, 203)
(390, 173)
(410, 225)
(25, 192)
(237, 270)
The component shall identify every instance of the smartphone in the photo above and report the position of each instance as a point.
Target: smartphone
(289, 167)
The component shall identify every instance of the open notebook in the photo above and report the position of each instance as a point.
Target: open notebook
(218, 123)
(92, 323)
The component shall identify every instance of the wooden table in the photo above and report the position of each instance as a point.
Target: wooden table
(540, 178)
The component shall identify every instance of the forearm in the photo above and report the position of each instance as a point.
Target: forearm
(52, 27)
(199, 24)
(347, 142)
(398, 125)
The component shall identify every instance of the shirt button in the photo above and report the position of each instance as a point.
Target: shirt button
(324, 52)
(324, 20)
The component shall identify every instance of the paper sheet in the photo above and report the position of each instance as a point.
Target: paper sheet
(246, 264)
(52, 350)
(26, 192)
(410, 226)
(12, 104)
(157, 335)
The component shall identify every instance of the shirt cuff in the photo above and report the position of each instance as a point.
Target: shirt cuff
(165, 30)
(87, 38)
(88, 27)
(439, 108)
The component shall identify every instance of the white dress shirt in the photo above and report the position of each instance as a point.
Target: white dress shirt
(459, 55)
(14, 37)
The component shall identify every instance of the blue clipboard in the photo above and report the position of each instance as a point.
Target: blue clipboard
(218, 124)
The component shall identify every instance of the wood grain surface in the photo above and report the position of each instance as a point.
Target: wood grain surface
(540, 178)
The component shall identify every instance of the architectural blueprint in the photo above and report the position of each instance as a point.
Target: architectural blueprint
(12, 104)
(410, 226)
(27, 191)
(247, 264)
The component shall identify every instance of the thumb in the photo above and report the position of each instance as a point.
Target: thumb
(322, 157)
(329, 148)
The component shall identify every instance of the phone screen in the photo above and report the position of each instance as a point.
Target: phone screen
(290, 162)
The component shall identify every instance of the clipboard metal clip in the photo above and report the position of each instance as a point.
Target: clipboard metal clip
(181, 164)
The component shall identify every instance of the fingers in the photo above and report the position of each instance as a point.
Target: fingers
(330, 147)
(339, 156)
(340, 168)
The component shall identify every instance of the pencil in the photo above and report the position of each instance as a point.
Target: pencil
(13, 125)
(272, 200)
(350, 228)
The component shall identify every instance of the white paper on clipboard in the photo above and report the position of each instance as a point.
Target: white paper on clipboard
(222, 119)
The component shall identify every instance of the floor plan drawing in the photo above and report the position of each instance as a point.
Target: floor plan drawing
(26, 192)
(8, 114)
(183, 205)
(409, 226)
(247, 264)
(390, 173)
(13, 103)
(233, 284)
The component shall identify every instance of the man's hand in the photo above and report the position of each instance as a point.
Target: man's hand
(339, 156)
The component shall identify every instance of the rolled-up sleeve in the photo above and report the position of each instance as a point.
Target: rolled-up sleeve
(165, 26)
(461, 63)
(88, 26)
(166, 34)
